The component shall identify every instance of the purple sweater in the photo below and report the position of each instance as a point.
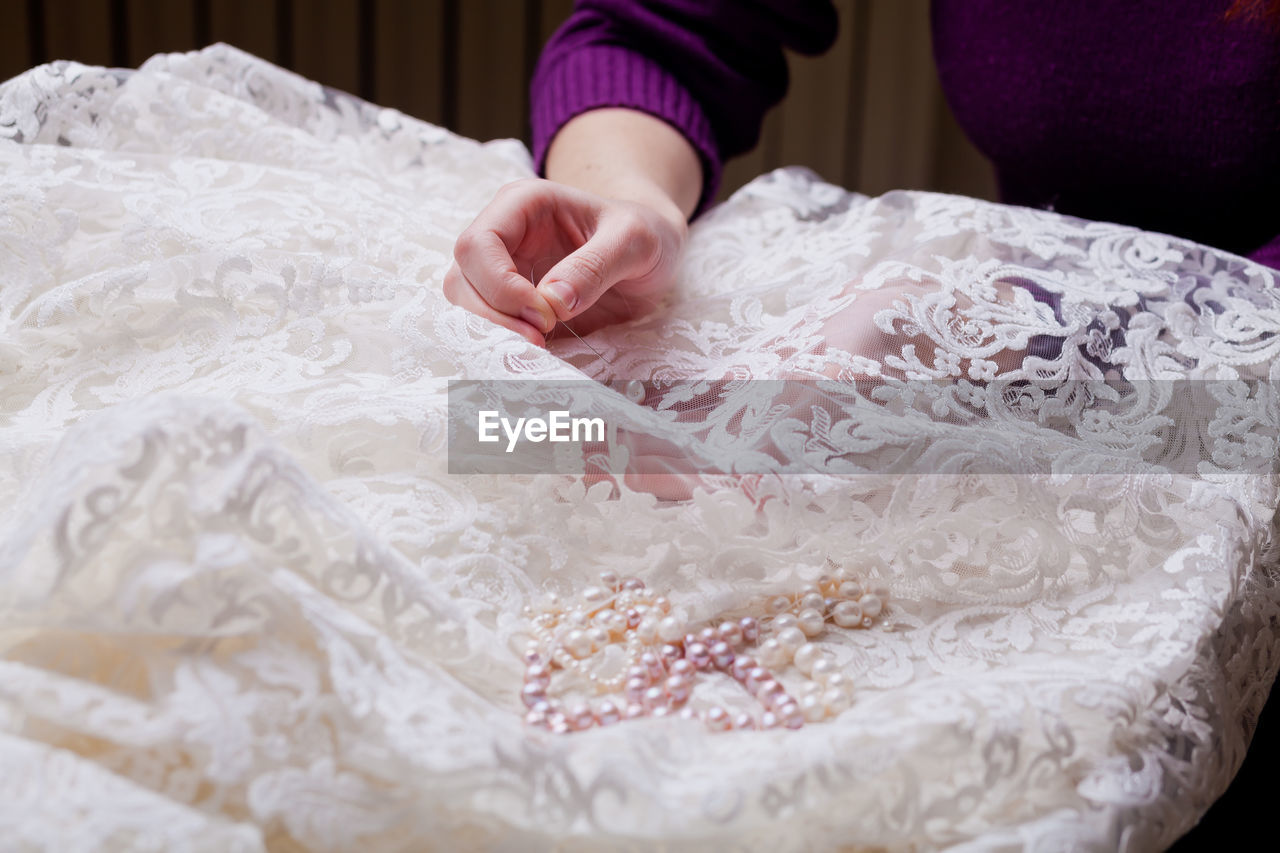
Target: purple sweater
(1155, 113)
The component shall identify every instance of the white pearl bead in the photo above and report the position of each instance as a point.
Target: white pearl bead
(599, 636)
(806, 656)
(870, 604)
(634, 391)
(811, 622)
(849, 589)
(577, 643)
(594, 595)
(879, 589)
(670, 629)
(612, 621)
(779, 603)
(835, 701)
(647, 630)
(812, 708)
(791, 639)
(839, 681)
(847, 614)
(785, 621)
(812, 601)
(822, 669)
(772, 653)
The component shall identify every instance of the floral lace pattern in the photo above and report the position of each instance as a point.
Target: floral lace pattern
(245, 605)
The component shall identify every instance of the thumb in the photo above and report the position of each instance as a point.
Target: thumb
(611, 255)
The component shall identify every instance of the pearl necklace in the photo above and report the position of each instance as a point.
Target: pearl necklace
(620, 638)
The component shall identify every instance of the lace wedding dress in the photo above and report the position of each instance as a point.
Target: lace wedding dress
(245, 605)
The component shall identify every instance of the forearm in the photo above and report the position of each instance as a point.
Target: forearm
(631, 156)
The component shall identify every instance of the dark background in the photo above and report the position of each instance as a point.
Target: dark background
(868, 115)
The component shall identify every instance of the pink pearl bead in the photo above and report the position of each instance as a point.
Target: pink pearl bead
(671, 653)
(533, 693)
(558, 723)
(662, 603)
(639, 672)
(653, 664)
(721, 655)
(717, 719)
(743, 664)
(635, 689)
(769, 720)
(729, 633)
(707, 636)
(654, 697)
(607, 714)
(581, 717)
(750, 629)
(633, 617)
(635, 711)
(755, 677)
(744, 721)
(698, 655)
(687, 713)
(633, 584)
(532, 657)
(535, 718)
(791, 715)
(768, 692)
(537, 672)
(679, 687)
(682, 667)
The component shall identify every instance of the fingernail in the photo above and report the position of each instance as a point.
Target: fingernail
(533, 318)
(562, 292)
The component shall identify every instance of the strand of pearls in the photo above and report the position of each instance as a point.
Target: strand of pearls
(620, 638)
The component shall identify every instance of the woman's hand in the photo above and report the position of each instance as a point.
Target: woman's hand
(543, 252)
(596, 244)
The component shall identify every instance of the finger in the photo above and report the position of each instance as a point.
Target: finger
(484, 250)
(460, 292)
(623, 247)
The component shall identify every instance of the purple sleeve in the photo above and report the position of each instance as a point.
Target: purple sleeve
(710, 68)
(1268, 254)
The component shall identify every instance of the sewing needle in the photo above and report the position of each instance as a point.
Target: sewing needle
(633, 389)
(587, 345)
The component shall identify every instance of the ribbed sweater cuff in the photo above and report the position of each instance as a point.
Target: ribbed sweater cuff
(596, 76)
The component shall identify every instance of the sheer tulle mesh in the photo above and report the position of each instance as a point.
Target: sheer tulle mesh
(246, 606)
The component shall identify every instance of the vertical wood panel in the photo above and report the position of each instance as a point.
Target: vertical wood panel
(745, 167)
(901, 115)
(408, 65)
(157, 26)
(551, 14)
(79, 30)
(958, 167)
(490, 74)
(814, 131)
(15, 52)
(248, 24)
(326, 42)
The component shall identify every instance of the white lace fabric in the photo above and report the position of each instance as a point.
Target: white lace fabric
(244, 605)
